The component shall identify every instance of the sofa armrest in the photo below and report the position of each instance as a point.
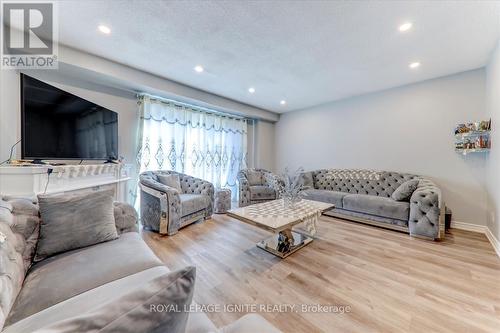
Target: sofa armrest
(426, 211)
(275, 182)
(156, 185)
(243, 189)
(208, 189)
(250, 323)
(125, 218)
(269, 179)
(160, 207)
(19, 231)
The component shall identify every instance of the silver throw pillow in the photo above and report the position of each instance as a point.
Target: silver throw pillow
(171, 180)
(405, 190)
(73, 221)
(255, 177)
(306, 179)
(158, 306)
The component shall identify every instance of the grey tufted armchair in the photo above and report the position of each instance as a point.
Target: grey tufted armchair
(254, 187)
(166, 210)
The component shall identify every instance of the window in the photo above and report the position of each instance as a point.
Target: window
(199, 143)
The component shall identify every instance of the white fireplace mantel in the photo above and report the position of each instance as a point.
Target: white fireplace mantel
(33, 179)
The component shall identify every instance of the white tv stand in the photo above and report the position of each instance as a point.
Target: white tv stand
(28, 181)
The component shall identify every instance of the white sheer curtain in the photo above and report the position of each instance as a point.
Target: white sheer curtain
(203, 144)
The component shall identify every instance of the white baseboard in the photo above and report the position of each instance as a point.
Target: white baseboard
(493, 240)
(468, 226)
(481, 229)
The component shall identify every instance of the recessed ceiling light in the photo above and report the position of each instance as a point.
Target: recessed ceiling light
(414, 65)
(104, 29)
(251, 90)
(405, 26)
(198, 69)
(283, 102)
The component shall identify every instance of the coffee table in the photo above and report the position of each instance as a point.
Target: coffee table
(273, 216)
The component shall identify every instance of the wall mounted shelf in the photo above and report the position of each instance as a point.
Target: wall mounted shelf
(473, 137)
(472, 134)
(472, 150)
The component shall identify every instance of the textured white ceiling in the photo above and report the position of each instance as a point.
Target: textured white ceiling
(306, 52)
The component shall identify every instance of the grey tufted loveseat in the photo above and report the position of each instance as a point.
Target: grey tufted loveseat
(254, 187)
(365, 196)
(166, 210)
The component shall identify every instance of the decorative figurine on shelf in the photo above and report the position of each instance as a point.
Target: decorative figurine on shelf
(485, 125)
(478, 126)
(461, 128)
(468, 144)
(483, 142)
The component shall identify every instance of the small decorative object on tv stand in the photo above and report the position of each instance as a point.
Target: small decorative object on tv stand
(473, 137)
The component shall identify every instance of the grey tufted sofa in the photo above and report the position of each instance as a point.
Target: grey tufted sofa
(19, 232)
(35, 296)
(254, 187)
(365, 196)
(165, 210)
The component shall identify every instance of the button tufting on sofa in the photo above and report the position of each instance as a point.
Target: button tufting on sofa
(425, 203)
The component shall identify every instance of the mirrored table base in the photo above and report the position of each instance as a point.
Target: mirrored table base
(285, 243)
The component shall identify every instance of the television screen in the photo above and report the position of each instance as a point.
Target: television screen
(60, 125)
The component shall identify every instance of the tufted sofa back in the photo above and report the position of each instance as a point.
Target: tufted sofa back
(254, 176)
(356, 181)
(189, 184)
(19, 226)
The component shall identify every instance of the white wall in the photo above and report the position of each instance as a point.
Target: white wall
(493, 175)
(114, 86)
(124, 103)
(265, 154)
(406, 129)
(261, 145)
(10, 116)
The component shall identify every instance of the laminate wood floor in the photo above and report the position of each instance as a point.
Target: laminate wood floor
(390, 281)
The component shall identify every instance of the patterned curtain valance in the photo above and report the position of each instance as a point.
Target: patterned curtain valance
(203, 144)
(176, 113)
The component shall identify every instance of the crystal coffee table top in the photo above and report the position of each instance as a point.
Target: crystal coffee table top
(274, 216)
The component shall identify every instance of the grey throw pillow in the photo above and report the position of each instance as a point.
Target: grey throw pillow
(405, 190)
(171, 180)
(73, 221)
(255, 177)
(158, 306)
(306, 179)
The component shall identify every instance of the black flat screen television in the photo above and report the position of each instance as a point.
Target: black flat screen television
(60, 125)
